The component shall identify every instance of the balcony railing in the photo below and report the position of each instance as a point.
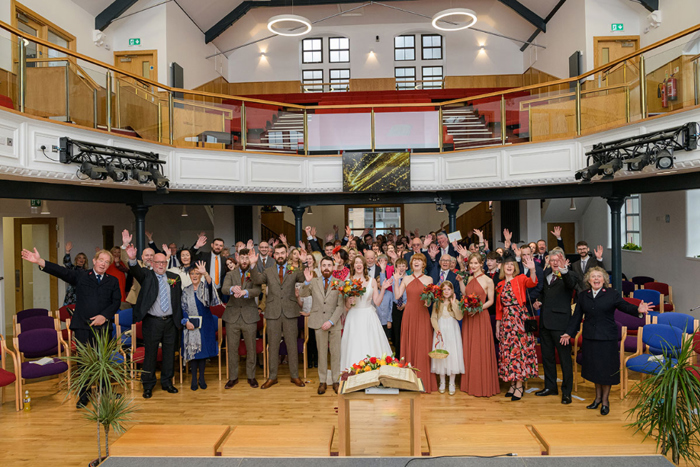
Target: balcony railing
(88, 93)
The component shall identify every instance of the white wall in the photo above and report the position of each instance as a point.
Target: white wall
(677, 15)
(601, 14)
(282, 60)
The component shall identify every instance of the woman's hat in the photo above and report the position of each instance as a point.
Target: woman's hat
(508, 255)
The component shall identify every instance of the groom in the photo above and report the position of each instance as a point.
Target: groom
(327, 306)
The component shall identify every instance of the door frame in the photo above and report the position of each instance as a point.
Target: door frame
(154, 52)
(597, 39)
(52, 222)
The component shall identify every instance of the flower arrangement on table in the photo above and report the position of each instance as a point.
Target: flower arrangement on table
(374, 363)
(431, 293)
(349, 288)
(471, 304)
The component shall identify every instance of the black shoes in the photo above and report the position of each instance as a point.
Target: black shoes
(594, 405)
(518, 391)
(510, 391)
(547, 392)
(193, 385)
(604, 409)
(147, 393)
(82, 402)
(171, 390)
(566, 400)
(202, 384)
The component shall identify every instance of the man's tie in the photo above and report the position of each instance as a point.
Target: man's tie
(216, 269)
(325, 285)
(442, 277)
(163, 294)
(99, 278)
(281, 273)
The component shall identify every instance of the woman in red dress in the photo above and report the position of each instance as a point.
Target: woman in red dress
(517, 348)
(481, 371)
(416, 329)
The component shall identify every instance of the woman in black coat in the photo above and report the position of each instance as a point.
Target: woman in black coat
(601, 354)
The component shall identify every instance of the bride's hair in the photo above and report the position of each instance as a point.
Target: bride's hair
(364, 267)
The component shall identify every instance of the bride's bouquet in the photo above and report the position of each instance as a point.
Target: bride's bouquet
(374, 363)
(431, 293)
(349, 288)
(471, 304)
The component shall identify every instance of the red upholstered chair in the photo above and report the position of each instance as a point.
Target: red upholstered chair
(7, 377)
(64, 314)
(138, 353)
(666, 291)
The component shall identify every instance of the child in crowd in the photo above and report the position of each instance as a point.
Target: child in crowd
(447, 336)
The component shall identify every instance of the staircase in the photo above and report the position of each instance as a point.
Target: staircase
(468, 129)
(285, 135)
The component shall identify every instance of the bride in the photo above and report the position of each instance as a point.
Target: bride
(363, 333)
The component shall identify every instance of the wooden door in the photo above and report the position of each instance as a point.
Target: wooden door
(568, 236)
(34, 288)
(609, 49)
(142, 63)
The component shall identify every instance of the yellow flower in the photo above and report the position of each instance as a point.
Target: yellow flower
(382, 362)
(367, 368)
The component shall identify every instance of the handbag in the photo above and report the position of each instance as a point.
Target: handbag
(196, 321)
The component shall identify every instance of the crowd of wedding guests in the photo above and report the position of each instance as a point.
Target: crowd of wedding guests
(522, 291)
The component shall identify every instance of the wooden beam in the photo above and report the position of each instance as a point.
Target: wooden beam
(112, 12)
(651, 5)
(546, 20)
(529, 15)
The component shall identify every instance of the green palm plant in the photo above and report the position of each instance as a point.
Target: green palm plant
(668, 406)
(102, 366)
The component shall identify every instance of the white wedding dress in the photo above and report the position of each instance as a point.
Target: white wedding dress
(363, 333)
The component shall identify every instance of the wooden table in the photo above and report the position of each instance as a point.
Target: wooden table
(480, 440)
(302, 440)
(344, 416)
(170, 441)
(600, 439)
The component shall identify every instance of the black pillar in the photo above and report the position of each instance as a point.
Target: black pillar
(298, 223)
(452, 209)
(140, 212)
(615, 203)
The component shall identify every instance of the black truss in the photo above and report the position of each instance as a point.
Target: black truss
(112, 12)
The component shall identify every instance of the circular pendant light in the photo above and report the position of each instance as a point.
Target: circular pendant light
(301, 23)
(469, 17)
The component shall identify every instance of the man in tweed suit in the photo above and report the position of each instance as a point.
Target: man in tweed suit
(281, 312)
(326, 307)
(241, 317)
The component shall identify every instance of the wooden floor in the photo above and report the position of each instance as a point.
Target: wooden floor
(56, 433)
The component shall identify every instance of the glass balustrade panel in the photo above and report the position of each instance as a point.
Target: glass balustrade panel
(671, 76)
(334, 130)
(206, 121)
(273, 128)
(541, 114)
(139, 108)
(9, 82)
(471, 124)
(407, 128)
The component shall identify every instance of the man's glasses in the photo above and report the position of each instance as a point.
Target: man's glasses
(160, 262)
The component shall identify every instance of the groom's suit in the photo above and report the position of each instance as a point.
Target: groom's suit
(327, 305)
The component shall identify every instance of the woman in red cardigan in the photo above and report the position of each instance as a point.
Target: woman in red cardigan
(518, 360)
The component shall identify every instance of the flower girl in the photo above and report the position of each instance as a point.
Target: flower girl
(447, 337)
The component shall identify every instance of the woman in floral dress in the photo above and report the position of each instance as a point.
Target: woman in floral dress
(517, 348)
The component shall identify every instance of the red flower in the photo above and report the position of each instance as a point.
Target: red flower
(373, 360)
(389, 359)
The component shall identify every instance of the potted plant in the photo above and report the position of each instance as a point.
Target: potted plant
(668, 406)
(631, 247)
(102, 366)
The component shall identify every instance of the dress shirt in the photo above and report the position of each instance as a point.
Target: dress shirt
(402, 300)
(584, 262)
(156, 309)
(99, 277)
(265, 261)
(550, 276)
(370, 271)
(595, 292)
(174, 262)
(246, 292)
(445, 251)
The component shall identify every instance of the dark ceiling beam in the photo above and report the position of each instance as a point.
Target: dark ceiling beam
(651, 5)
(546, 20)
(532, 17)
(244, 7)
(112, 12)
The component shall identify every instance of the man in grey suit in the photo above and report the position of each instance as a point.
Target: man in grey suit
(241, 317)
(281, 312)
(586, 262)
(264, 259)
(326, 307)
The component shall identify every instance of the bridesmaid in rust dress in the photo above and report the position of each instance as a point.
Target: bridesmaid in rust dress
(416, 329)
(481, 369)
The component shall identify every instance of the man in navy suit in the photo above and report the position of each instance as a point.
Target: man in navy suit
(441, 272)
(444, 247)
(97, 297)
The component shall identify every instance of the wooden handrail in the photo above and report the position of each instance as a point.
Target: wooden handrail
(72, 53)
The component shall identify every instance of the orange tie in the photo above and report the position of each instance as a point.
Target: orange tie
(216, 270)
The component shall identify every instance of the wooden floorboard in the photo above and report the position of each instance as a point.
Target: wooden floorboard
(56, 433)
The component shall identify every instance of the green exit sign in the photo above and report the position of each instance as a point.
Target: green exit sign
(137, 41)
(617, 27)
(35, 203)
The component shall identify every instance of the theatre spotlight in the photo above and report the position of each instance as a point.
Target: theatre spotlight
(92, 171)
(439, 207)
(610, 168)
(588, 173)
(117, 174)
(636, 164)
(664, 159)
(161, 181)
(141, 175)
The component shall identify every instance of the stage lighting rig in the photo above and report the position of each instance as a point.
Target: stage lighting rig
(649, 150)
(98, 162)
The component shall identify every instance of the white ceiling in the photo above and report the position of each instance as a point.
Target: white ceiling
(492, 15)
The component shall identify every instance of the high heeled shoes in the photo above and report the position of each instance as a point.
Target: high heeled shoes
(594, 405)
(517, 391)
(604, 409)
(510, 391)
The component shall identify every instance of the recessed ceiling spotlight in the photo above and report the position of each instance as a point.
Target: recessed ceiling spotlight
(463, 23)
(301, 23)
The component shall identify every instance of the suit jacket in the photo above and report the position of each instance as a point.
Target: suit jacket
(599, 313)
(206, 257)
(377, 272)
(92, 299)
(149, 293)
(556, 301)
(281, 297)
(581, 273)
(451, 277)
(241, 307)
(270, 262)
(325, 305)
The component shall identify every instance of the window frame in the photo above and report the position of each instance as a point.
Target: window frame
(424, 81)
(374, 207)
(44, 26)
(339, 80)
(405, 48)
(627, 215)
(303, 61)
(330, 50)
(396, 78)
(423, 47)
(304, 83)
